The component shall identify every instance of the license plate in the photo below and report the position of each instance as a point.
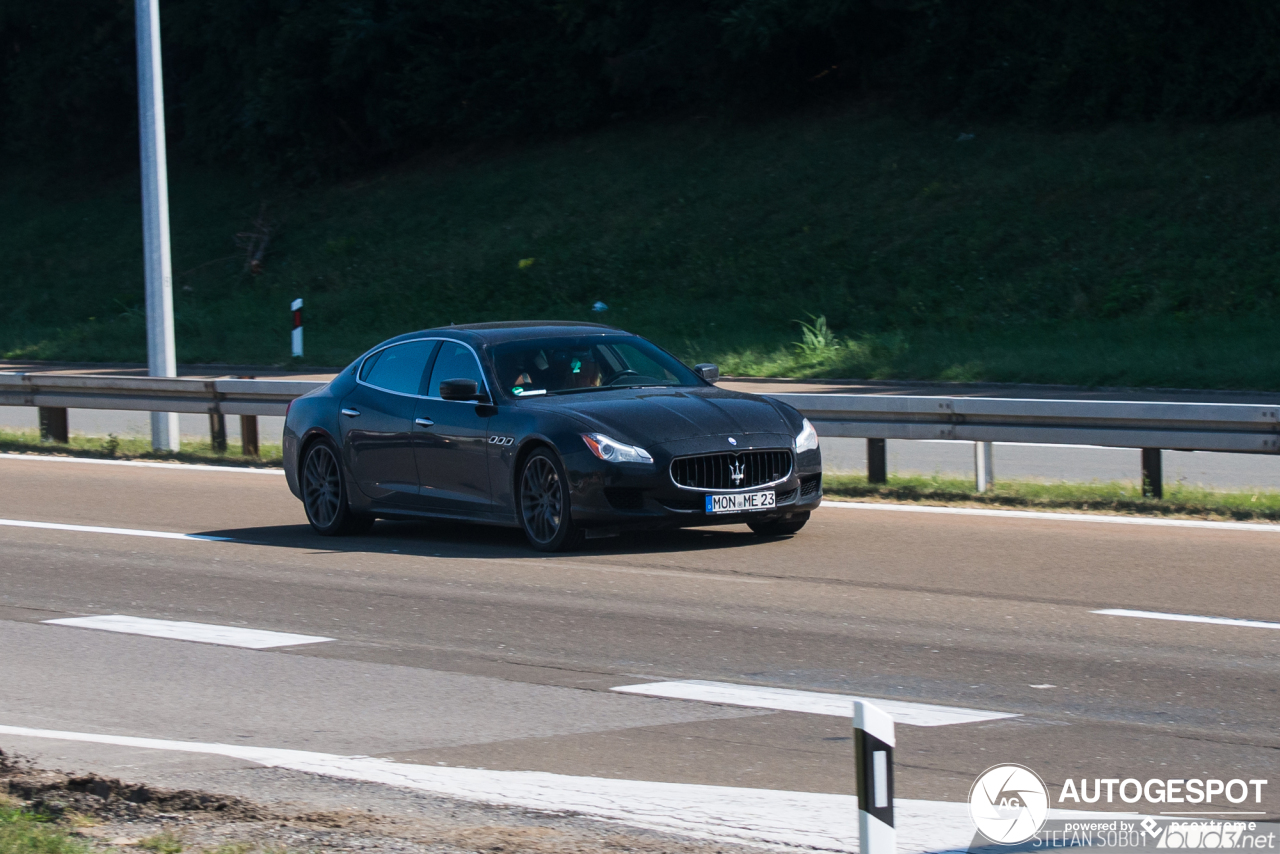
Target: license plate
(738, 502)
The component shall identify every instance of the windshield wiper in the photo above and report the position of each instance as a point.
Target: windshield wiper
(605, 388)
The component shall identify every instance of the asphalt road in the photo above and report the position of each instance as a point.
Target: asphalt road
(456, 646)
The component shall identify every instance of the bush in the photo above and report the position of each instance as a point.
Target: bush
(309, 89)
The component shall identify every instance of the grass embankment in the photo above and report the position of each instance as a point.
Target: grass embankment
(137, 448)
(1134, 255)
(1113, 498)
(25, 832)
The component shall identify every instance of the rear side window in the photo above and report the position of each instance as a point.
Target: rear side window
(400, 368)
(368, 365)
(455, 362)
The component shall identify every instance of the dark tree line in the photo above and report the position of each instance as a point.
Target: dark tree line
(313, 87)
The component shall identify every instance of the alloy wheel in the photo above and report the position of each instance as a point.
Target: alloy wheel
(322, 486)
(541, 499)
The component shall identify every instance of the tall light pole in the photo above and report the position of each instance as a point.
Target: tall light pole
(161, 358)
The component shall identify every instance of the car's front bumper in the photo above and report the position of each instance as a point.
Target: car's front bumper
(646, 496)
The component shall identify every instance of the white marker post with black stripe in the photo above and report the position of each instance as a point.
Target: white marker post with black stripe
(873, 742)
(296, 308)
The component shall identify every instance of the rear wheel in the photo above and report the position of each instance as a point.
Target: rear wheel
(544, 504)
(779, 527)
(324, 494)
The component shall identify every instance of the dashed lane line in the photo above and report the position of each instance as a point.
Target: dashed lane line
(196, 632)
(811, 702)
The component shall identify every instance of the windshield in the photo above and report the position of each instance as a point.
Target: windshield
(565, 365)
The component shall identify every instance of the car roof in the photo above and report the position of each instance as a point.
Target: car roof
(514, 330)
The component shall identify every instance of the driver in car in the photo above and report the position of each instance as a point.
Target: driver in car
(584, 372)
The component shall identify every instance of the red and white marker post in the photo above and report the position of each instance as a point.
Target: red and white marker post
(296, 308)
(873, 742)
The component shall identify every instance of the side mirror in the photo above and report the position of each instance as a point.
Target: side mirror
(707, 371)
(462, 390)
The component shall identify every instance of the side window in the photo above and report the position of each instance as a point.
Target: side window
(400, 368)
(455, 362)
(367, 367)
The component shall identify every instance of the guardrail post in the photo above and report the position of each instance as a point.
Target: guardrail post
(877, 464)
(984, 465)
(53, 424)
(249, 435)
(1152, 473)
(218, 432)
(873, 742)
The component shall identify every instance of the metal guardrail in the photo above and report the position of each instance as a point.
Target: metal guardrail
(1223, 427)
(152, 394)
(1228, 427)
(54, 394)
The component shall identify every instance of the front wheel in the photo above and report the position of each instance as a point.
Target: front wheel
(324, 494)
(544, 504)
(779, 527)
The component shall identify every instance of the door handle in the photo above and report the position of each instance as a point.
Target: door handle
(424, 422)
(351, 413)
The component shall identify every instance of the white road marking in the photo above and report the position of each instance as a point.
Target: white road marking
(96, 529)
(1057, 517)
(794, 821)
(1188, 618)
(197, 632)
(812, 702)
(139, 464)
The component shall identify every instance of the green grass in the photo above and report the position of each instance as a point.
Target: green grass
(165, 842)
(1112, 497)
(24, 832)
(1130, 255)
(135, 448)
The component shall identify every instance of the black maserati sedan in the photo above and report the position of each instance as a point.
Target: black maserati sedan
(563, 429)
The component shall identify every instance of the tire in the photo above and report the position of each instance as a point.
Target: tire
(543, 504)
(324, 493)
(779, 527)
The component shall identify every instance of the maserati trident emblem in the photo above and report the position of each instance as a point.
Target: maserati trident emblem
(735, 472)
(732, 441)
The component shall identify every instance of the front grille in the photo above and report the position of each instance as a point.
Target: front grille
(810, 486)
(716, 471)
(621, 498)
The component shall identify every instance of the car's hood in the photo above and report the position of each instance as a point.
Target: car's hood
(651, 417)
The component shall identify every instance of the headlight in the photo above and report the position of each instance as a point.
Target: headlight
(615, 452)
(808, 438)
